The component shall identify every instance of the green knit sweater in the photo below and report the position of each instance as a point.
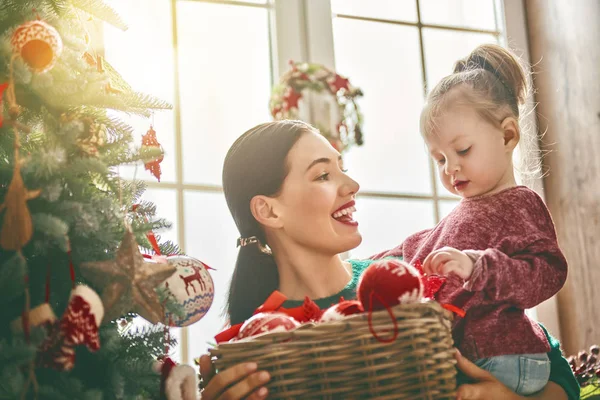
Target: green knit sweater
(560, 371)
(348, 293)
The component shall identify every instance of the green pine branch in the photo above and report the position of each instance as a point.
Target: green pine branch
(100, 10)
(83, 203)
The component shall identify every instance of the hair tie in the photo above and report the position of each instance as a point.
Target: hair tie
(245, 241)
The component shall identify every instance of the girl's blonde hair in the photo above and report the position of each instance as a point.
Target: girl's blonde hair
(491, 80)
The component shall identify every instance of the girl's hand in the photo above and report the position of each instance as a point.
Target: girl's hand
(448, 260)
(242, 381)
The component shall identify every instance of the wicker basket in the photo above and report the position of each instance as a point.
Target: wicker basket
(343, 360)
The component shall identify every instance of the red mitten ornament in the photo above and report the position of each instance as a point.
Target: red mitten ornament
(149, 140)
(309, 311)
(387, 283)
(431, 283)
(343, 309)
(263, 323)
(78, 325)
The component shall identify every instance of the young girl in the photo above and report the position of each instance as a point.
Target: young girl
(498, 247)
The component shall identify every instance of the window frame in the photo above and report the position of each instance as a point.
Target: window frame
(303, 30)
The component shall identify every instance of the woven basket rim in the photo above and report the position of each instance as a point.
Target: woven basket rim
(316, 327)
(345, 359)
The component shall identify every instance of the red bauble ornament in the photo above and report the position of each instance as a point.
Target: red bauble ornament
(387, 283)
(149, 140)
(38, 44)
(263, 323)
(342, 310)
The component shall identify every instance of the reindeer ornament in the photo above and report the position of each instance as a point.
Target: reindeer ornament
(192, 287)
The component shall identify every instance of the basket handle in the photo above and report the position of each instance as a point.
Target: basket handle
(370, 319)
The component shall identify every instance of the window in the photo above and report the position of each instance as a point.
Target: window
(194, 54)
(218, 76)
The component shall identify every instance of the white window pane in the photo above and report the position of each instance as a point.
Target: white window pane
(143, 55)
(477, 14)
(399, 10)
(446, 206)
(385, 223)
(210, 236)
(166, 207)
(384, 61)
(225, 80)
(443, 48)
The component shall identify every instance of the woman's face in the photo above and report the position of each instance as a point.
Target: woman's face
(316, 201)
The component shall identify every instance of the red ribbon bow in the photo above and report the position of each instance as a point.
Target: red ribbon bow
(432, 284)
(309, 311)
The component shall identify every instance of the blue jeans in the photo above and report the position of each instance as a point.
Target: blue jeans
(525, 374)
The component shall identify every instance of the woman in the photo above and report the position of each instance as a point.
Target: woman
(286, 186)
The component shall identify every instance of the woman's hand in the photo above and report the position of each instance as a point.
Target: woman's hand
(242, 381)
(489, 388)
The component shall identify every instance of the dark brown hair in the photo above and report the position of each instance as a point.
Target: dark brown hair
(255, 165)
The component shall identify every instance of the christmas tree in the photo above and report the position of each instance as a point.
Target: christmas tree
(71, 273)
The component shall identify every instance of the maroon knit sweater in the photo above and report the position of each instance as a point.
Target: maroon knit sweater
(518, 265)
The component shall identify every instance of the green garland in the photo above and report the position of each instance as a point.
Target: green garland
(342, 124)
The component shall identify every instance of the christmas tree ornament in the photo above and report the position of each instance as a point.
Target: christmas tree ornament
(91, 135)
(129, 282)
(97, 62)
(91, 60)
(263, 323)
(78, 326)
(343, 309)
(323, 98)
(192, 287)
(308, 312)
(3, 87)
(149, 141)
(311, 312)
(94, 136)
(431, 283)
(38, 316)
(38, 43)
(177, 382)
(17, 227)
(387, 283)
